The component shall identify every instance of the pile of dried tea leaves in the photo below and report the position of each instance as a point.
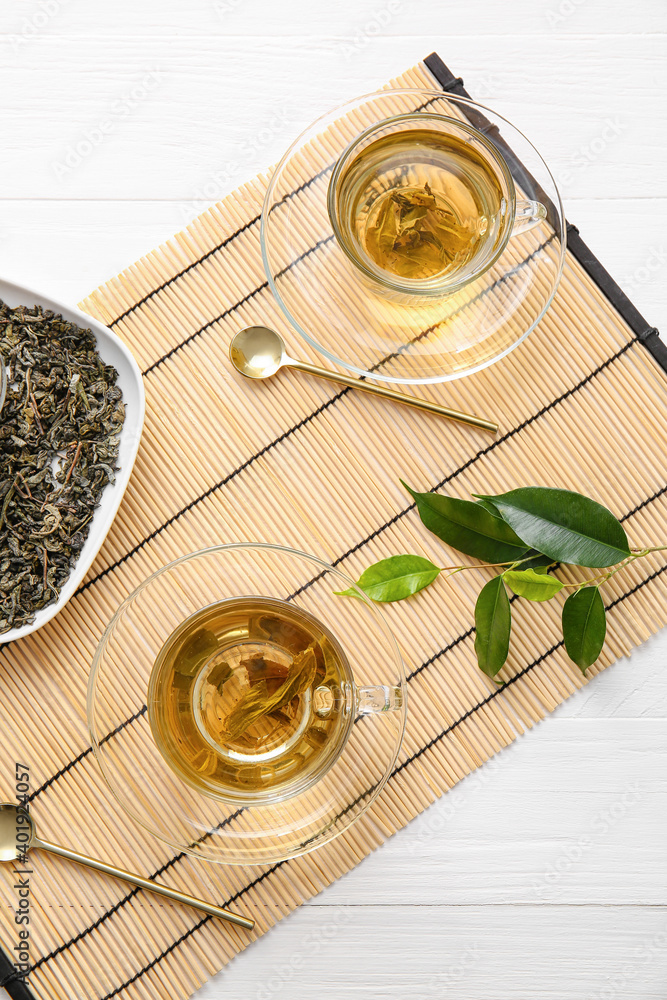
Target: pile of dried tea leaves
(59, 437)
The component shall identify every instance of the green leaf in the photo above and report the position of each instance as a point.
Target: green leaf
(584, 626)
(532, 559)
(532, 584)
(395, 578)
(566, 526)
(493, 622)
(468, 527)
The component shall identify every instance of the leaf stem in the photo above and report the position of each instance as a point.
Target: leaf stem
(603, 577)
(594, 580)
(457, 569)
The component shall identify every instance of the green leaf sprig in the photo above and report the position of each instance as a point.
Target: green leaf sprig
(524, 533)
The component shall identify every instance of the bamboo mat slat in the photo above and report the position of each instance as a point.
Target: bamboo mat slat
(297, 461)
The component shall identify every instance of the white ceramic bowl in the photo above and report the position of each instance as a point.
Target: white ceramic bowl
(115, 353)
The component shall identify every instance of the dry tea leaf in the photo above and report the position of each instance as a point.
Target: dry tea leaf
(62, 405)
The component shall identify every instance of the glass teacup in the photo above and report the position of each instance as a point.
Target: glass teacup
(252, 700)
(461, 317)
(424, 203)
(240, 710)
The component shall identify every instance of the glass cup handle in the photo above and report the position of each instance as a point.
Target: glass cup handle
(381, 698)
(527, 214)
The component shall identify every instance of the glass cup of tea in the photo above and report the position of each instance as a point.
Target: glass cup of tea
(243, 711)
(412, 236)
(423, 204)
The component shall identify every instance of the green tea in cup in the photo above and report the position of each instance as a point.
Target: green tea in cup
(425, 203)
(250, 699)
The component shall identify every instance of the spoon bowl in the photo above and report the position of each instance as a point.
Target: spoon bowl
(259, 352)
(13, 823)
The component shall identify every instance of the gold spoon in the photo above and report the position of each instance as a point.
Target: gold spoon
(15, 823)
(258, 352)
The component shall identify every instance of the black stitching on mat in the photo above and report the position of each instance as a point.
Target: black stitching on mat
(187, 934)
(397, 770)
(451, 645)
(84, 753)
(521, 673)
(490, 447)
(223, 315)
(480, 704)
(219, 246)
(297, 260)
(644, 503)
(58, 774)
(197, 333)
(418, 670)
(185, 270)
(122, 725)
(638, 586)
(212, 489)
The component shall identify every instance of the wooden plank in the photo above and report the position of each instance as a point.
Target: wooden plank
(248, 18)
(423, 952)
(166, 125)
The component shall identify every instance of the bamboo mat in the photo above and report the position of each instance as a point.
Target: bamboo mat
(296, 461)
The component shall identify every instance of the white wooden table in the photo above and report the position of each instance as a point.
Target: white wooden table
(545, 874)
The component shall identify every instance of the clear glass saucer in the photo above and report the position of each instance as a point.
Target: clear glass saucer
(157, 796)
(354, 321)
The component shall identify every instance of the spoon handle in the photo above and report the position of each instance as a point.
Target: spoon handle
(144, 883)
(399, 397)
